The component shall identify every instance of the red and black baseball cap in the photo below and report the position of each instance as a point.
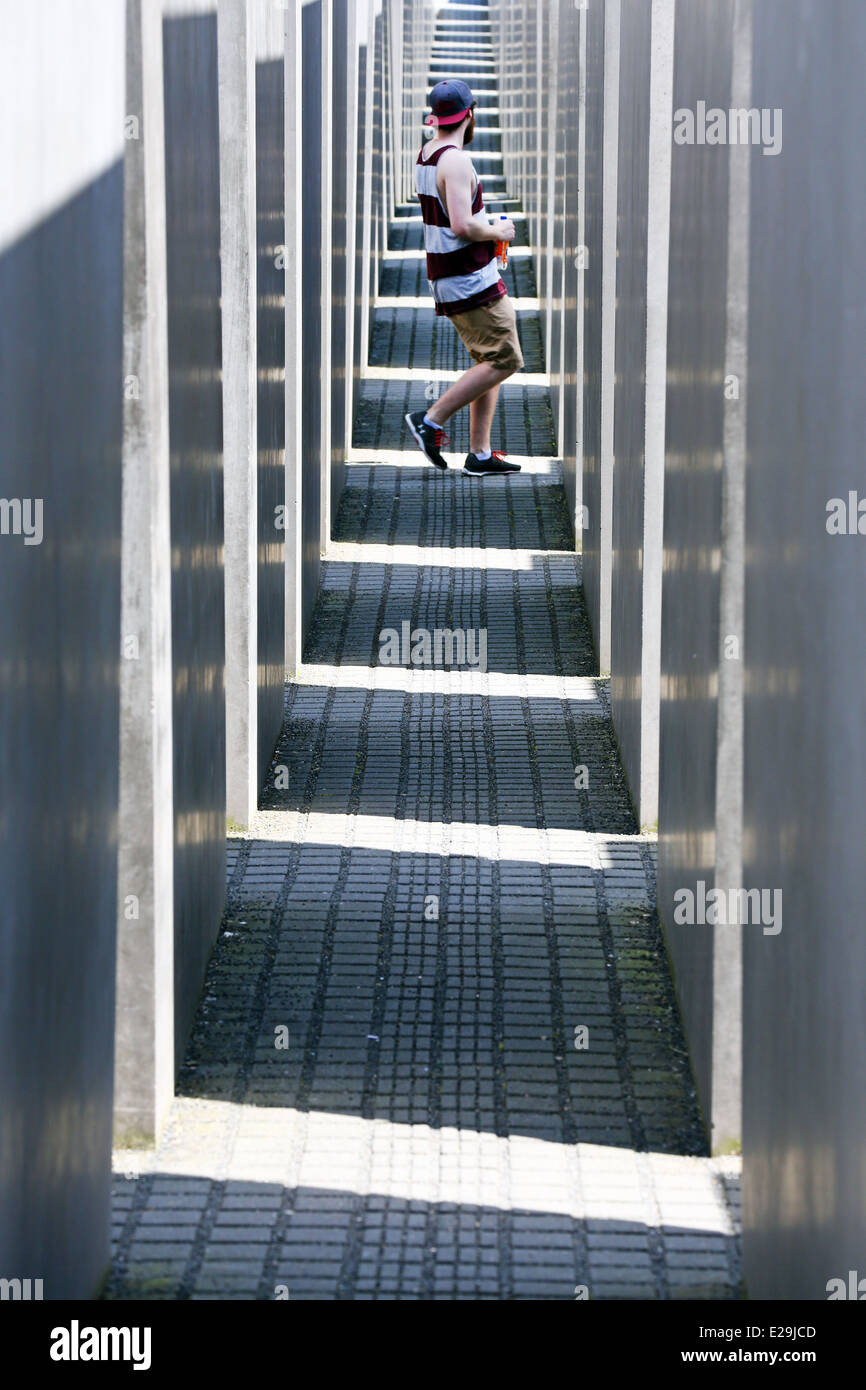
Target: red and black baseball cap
(450, 103)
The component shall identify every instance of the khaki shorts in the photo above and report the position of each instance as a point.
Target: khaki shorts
(490, 334)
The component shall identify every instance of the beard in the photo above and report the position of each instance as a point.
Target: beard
(469, 133)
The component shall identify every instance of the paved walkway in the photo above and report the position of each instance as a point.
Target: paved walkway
(438, 1054)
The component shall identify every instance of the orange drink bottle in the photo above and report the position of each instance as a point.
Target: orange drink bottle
(502, 246)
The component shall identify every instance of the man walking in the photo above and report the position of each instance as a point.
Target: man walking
(464, 277)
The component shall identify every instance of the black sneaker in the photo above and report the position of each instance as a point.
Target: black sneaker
(496, 464)
(429, 438)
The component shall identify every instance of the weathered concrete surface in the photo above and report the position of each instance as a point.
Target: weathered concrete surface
(539, 65)
(727, 984)
(196, 443)
(327, 156)
(555, 50)
(271, 275)
(343, 81)
(293, 575)
(646, 70)
(424, 23)
(144, 1028)
(377, 120)
(568, 42)
(552, 81)
(307, 283)
(359, 250)
(804, 1125)
(708, 987)
(609, 218)
(61, 401)
(598, 236)
(238, 278)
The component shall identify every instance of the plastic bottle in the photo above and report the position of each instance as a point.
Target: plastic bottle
(502, 246)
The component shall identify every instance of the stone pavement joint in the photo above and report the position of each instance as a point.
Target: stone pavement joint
(443, 897)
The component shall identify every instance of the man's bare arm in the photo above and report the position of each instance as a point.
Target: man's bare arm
(456, 170)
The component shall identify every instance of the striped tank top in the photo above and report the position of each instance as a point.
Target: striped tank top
(462, 274)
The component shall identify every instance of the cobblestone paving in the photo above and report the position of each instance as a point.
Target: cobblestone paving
(388, 1093)
(404, 336)
(523, 426)
(409, 277)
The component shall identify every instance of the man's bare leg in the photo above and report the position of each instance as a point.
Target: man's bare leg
(481, 413)
(476, 382)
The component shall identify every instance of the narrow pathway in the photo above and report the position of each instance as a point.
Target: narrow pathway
(438, 1054)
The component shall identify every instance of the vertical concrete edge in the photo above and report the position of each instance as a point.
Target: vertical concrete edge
(294, 337)
(144, 1019)
(658, 246)
(237, 77)
(608, 325)
(727, 1057)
